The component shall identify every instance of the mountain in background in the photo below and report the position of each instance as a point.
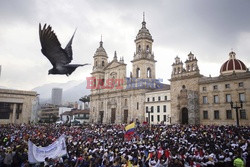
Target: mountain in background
(72, 91)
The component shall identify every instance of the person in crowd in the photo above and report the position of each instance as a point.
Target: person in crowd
(99, 145)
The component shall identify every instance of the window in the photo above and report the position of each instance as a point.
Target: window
(216, 114)
(153, 99)
(229, 114)
(147, 109)
(138, 73)
(102, 82)
(102, 63)
(204, 99)
(243, 114)
(242, 97)
(95, 63)
(158, 108)
(137, 106)
(204, 88)
(166, 98)
(215, 87)
(5, 110)
(164, 118)
(159, 98)
(158, 118)
(152, 109)
(126, 102)
(164, 108)
(205, 114)
(102, 105)
(216, 99)
(228, 98)
(148, 72)
(227, 86)
(152, 118)
(241, 84)
(4, 115)
(139, 48)
(148, 99)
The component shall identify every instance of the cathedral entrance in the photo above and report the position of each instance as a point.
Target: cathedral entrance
(125, 116)
(113, 115)
(101, 113)
(184, 116)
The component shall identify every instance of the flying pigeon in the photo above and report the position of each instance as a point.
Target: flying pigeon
(58, 57)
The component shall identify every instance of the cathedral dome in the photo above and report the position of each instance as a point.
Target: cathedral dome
(233, 65)
(144, 32)
(100, 51)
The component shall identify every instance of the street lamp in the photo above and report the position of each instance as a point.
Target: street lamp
(236, 107)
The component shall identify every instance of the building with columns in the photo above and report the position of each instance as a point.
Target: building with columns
(196, 99)
(116, 98)
(16, 106)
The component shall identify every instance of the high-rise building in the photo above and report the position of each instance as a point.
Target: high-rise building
(56, 96)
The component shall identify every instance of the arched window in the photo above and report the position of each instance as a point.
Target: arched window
(188, 68)
(102, 63)
(149, 72)
(138, 73)
(192, 67)
(139, 48)
(126, 102)
(147, 48)
(179, 70)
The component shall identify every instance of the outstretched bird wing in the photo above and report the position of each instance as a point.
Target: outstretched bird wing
(68, 48)
(51, 47)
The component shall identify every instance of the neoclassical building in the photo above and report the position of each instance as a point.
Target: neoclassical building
(116, 98)
(17, 106)
(196, 99)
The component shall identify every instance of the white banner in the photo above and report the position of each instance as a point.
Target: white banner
(54, 150)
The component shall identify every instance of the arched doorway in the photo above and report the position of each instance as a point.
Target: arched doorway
(184, 116)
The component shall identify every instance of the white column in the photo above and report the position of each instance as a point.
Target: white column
(14, 114)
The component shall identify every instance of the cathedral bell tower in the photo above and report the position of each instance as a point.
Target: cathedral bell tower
(143, 62)
(100, 62)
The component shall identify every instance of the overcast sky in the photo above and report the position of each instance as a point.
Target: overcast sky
(210, 29)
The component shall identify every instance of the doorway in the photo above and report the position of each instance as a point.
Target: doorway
(101, 113)
(184, 116)
(125, 116)
(113, 115)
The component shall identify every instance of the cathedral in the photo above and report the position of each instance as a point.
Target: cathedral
(122, 103)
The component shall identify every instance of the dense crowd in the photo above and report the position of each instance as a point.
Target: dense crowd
(105, 145)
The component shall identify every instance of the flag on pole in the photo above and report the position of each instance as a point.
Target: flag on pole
(130, 130)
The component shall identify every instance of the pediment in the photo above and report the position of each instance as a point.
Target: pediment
(113, 64)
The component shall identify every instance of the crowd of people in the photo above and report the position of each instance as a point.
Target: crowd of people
(105, 146)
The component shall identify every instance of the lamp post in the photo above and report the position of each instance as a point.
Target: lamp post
(236, 107)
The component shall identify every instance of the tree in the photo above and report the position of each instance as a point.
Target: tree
(85, 99)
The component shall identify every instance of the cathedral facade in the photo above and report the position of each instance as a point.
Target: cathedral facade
(116, 98)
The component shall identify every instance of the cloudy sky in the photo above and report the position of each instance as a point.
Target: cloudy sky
(209, 28)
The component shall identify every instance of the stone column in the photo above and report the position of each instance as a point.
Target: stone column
(14, 114)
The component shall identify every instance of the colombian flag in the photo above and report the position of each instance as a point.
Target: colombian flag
(130, 130)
